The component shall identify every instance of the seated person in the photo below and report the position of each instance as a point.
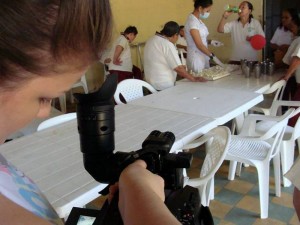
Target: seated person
(121, 63)
(161, 60)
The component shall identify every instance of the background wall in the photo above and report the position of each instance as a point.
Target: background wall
(150, 16)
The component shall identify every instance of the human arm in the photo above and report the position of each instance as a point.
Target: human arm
(141, 197)
(198, 42)
(222, 22)
(181, 46)
(282, 48)
(181, 71)
(116, 58)
(13, 214)
(295, 64)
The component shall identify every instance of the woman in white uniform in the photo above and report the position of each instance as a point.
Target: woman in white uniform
(241, 31)
(196, 32)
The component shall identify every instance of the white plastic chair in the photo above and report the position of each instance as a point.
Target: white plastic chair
(274, 93)
(183, 60)
(56, 120)
(131, 89)
(216, 142)
(256, 149)
(291, 135)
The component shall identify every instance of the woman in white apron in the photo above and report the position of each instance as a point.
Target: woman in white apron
(198, 55)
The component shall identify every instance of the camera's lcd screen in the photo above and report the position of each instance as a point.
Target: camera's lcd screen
(86, 220)
(82, 216)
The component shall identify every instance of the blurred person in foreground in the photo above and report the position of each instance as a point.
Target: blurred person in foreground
(45, 48)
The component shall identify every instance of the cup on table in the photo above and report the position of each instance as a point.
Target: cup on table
(247, 71)
(270, 68)
(257, 70)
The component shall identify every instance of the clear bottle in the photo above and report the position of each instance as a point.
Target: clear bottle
(231, 8)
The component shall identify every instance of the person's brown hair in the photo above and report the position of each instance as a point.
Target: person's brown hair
(40, 37)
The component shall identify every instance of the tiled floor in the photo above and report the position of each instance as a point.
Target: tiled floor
(237, 202)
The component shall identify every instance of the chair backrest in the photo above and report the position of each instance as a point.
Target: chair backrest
(131, 89)
(217, 143)
(276, 106)
(276, 132)
(56, 120)
(277, 88)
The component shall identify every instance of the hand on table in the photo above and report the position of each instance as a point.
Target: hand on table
(217, 61)
(199, 79)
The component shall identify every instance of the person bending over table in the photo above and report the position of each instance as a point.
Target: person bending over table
(161, 60)
(292, 58)
(241, 31)
(63, 38)
(121, 62)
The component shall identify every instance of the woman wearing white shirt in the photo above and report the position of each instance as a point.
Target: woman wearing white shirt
(284, 34)
(241, 31)
(196, 33)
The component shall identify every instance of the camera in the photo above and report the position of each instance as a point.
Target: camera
(96, 127)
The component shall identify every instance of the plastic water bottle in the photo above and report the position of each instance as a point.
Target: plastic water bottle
(231, 8)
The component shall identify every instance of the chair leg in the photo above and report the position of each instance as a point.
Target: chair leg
(277, 175)
(287, 159)
(263, 170)
(232, 169)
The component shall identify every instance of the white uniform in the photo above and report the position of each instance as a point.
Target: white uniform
(196, 59)
(160, 60)
(242, 48)
(282, 37)
(125, 56)
(20, 189)
(294, 50)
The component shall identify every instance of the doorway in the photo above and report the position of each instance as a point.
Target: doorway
(272, 16)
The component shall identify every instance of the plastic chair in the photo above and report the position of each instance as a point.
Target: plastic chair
(131, 89)
(277, 90)
(216, 142)
(256, 149)
(56, 120)
(291, 135)
(183, 60)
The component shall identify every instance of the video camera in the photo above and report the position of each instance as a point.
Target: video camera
(96, 126)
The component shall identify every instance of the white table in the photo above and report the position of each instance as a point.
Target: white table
(222, 104)
(238, 81)
(52, 157)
